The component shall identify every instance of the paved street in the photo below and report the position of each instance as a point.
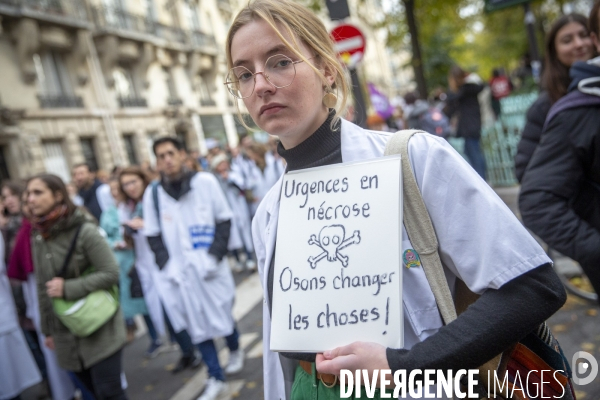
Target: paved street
(576, 326)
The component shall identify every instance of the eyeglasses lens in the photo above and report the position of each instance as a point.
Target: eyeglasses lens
(279, 70)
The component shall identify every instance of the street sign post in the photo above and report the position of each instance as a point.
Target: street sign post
(338, 9)
(495, 5)
(350, 46)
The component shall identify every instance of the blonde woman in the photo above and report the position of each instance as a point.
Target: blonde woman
(283, 67)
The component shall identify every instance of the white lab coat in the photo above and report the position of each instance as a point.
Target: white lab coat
(19, 370)
(149, 275)
(199, 291)
(263, 181)
(480, 239)
(241, 229)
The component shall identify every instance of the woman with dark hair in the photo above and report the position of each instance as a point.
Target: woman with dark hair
(133, 182)
(463, 101)
(567, 41)
(11, 217)
(112, 222)
(95, 359)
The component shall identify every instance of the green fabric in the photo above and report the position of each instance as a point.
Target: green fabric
(304, 388)
(75, 353)
(85, 316)
(109, 221)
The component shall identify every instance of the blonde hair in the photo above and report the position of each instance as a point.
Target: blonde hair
(300, 23)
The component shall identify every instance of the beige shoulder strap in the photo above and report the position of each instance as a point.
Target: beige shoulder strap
(420, 229)
(422, 236)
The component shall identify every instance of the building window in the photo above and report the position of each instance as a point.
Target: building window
(173, 99)
(206, 92)
(54, 160)
(182, 136)
(150, 138)
(213, 127)
(190, 9)
(89, 153)
(129, 141)
(55, 86)
(4, 175)
(127, 88)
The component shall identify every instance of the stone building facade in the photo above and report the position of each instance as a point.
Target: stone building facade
(98, 80)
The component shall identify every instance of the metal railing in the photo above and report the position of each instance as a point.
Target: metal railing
(72, 9)
(128, 102)
(499, 141)
(174, 101)
(208, 102)
(118, 18)
(60, 101)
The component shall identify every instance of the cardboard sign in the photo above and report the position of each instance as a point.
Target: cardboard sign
(337, 276)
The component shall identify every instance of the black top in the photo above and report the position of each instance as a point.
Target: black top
(498, 319)
(530, 137)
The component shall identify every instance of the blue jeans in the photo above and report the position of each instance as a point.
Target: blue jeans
(182, 338)
(151, 329)
(210, 357)
(475, 155)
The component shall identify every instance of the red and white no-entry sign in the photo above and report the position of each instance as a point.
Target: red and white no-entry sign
(349, 43)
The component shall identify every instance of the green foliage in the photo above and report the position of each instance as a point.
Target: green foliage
(459, 32)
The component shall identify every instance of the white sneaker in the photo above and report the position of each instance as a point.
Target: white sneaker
(214, 388)
(236, 362)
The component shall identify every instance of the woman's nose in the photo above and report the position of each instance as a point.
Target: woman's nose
(262, 84)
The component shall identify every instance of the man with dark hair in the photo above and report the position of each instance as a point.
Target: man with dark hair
(561, 188)
(187, 221)
(95, 194)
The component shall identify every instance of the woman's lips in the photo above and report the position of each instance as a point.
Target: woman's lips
(271, 109)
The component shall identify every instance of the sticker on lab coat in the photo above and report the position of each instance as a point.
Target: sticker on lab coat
(411, 258)
(201, 236)
(337, 273)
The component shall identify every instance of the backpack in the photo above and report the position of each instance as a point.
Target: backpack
(435, 122)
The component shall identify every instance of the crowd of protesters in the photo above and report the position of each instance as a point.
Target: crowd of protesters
(57, 240)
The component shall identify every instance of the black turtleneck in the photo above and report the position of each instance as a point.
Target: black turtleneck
(324, 147)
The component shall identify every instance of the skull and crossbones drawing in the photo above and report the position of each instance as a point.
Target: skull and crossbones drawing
(331, 240)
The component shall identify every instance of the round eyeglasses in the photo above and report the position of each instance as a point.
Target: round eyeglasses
(279, 70)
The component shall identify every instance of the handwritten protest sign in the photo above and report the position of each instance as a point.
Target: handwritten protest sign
(337, 275)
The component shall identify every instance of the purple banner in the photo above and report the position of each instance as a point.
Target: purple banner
(380, 102)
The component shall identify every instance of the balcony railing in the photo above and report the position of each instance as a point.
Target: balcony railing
(127, 102)
(45, 9)
(174, 101)
(208, 102)
(118, 18)
(60, 101)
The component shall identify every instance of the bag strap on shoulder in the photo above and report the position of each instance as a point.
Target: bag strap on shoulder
(63, 270)
(420, 228)
(155, 200)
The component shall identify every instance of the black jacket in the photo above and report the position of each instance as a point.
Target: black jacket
(530, 137)
(465, 103)
(560, 194)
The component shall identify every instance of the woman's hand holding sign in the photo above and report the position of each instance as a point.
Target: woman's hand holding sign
(357, 355)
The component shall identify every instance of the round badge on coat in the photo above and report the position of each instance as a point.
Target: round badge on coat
(411, 258)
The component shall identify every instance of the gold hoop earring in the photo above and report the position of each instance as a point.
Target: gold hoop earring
(330, 100)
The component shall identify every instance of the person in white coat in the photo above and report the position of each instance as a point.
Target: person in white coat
(189, 239)
(265, 172)
(284, 68)
(19, 370)
(133, 182)
(233, 187)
